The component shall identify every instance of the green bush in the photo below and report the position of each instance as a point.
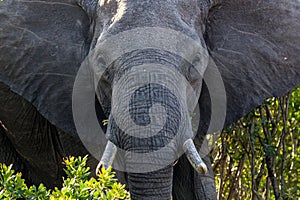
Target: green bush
(77, 184)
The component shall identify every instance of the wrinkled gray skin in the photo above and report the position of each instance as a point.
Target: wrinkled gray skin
(255, 45)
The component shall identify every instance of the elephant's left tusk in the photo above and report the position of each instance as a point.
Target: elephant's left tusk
(107, 157)
(193, 156)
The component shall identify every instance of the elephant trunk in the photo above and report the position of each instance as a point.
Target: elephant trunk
(149, 122)
(154, 112)
(151, 185)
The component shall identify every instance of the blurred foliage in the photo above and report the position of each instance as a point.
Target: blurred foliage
(77, 184)
(259, 156)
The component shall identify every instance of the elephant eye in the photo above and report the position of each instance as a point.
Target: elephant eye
(197, 59)
(101, 61)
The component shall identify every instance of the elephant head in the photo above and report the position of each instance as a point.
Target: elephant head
(149, 64)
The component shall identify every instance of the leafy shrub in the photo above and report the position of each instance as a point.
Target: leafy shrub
(77, 184)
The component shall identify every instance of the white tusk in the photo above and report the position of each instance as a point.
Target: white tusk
(107, 157)
(193, 156)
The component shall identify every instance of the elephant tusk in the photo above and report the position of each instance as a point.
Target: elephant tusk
(107, 157)
(193, 156)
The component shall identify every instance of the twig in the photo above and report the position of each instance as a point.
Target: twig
(260, 173)
(238, 173)
(285, 111)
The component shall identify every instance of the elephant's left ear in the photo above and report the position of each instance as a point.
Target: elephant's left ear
(42, 44)
(256, 47)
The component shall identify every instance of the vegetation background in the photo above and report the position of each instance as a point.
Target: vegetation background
(258, 157)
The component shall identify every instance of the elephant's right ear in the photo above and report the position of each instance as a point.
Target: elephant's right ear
(256, 47)
(42, 44)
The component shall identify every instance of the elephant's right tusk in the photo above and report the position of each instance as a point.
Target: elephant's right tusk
(193, 156)
(107, 157)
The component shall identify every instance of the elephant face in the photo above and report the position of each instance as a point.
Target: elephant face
(150, 78)
(150, 64)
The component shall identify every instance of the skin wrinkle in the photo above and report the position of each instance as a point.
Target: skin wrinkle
(89, 6)
(231, 51)
(38, 37)
(154, 56)
(255, 35)
(52, 3)
(139, 111)
(55, 74)
(32, 33)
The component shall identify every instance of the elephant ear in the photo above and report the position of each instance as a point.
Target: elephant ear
(42, 44)
(256, 48)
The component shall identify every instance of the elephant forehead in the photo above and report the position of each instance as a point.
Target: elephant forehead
(179, 15)
(120, 7)
(110, 49)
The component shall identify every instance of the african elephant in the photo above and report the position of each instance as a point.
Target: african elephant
(141, 60)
